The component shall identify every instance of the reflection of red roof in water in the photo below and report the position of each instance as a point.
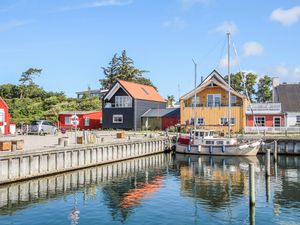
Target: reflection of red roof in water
(134, 196)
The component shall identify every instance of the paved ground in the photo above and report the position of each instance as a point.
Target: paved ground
(35, 142)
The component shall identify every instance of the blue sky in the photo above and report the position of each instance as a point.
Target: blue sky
(72, 40)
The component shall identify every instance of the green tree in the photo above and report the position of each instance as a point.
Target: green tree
(26, 80)
(264, 91)
(123, 68)
(241, 84)
(170, 100)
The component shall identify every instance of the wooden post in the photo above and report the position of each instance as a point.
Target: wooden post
(252, 215)
(275, 151)
(251, 184)
(268, 165)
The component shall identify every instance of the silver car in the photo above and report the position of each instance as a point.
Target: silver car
(42, 127)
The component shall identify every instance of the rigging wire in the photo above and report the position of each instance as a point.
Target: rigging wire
(244, 84)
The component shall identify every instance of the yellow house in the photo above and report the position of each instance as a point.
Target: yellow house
(212, 106)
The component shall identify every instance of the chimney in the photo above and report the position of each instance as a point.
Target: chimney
(201, 79)
(275, 83)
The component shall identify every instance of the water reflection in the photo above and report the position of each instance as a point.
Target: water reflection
(217, 182)
(201, 189)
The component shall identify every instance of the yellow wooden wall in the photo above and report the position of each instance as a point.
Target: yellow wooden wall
(212, 115)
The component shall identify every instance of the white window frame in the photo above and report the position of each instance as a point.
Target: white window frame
(2, 117)
(233, 103)
(117, 116)
(214, 100)
(123, 102)
(298, 119)
(255, 117)
(276, 117)
(86, 121)
(68, 120)
(201, 118)
(223, 120)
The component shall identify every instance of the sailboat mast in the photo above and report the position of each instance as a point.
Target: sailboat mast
(229, 90)
(195, 95)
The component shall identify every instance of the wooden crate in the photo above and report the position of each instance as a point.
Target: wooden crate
(79, 140)
(121, 135)
(5, 145)
(19, 144)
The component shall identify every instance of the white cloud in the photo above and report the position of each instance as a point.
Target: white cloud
(286, 16)
(252, 49)
(97, 4)
(286, 73)
(12, 24)
(176, 23)
(191, 3)
(227, 26)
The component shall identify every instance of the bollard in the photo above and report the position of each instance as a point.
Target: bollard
(60, 141)
(268, 165)
(14, 147)
(66, 142)
(275, 151)
(251, 184)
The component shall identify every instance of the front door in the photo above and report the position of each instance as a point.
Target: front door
(277, 121)
(2, 121)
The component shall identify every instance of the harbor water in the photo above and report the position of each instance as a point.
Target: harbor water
(159, 189)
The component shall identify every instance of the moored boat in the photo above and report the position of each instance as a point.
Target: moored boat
(203, 142)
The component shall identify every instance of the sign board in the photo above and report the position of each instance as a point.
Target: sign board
(74, 120)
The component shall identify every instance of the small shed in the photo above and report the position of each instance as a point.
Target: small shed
(4, 118)
(88, 120)
(160, 119)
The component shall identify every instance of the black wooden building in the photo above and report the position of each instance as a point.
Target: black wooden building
(126, 102)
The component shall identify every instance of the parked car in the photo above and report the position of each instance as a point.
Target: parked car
(42, 127)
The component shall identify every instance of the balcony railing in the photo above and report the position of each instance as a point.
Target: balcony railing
(264, 108)
(215, 105)
(272, 129)
(113, 105)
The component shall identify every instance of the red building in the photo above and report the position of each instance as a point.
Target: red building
(4, 118)
(88, 120)
(265, 117)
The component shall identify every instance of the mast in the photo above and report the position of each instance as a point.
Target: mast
(195, 96)
(229, 90)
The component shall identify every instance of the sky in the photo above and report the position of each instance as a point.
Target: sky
(72, 40)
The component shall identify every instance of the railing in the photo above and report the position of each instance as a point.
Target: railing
(114, 105)
(272, 129)
(216, 105)
(264, 108)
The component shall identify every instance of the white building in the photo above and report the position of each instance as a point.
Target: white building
(289, 97)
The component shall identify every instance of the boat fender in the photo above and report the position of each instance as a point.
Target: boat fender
(210, 149)
(189, 148)
(223, 148)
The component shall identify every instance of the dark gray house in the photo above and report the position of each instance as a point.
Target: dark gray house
(125, 103)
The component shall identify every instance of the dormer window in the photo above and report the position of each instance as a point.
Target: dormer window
(213, 100)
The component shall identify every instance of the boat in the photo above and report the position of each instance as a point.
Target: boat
(204, 142)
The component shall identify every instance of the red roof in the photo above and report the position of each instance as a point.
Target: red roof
(141, 91)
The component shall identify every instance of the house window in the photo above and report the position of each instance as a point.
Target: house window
(86, 121)
(200, 121)
(68, 120)
(123, 101)
(1, 117)
(233, 100)
(224, 121)
(260, 121)
(277, 122)
(297, 119)
(197, 101)
(213, 100)
(117, 118)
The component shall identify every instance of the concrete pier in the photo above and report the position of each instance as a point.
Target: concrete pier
(25, 165)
